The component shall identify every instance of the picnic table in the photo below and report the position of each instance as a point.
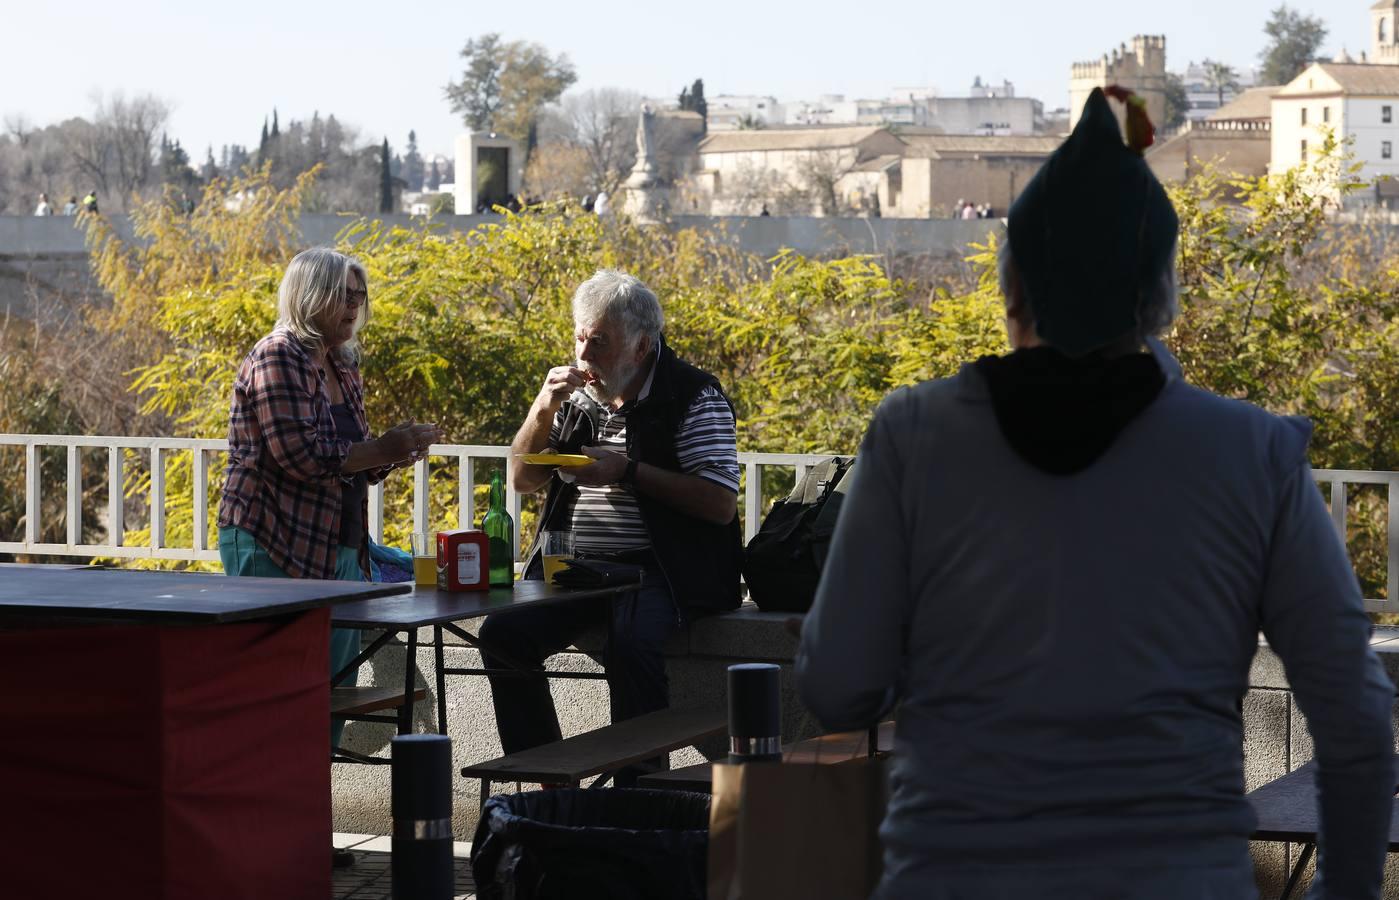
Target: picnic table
(1286, 810)
(181, 717)
(442, 611)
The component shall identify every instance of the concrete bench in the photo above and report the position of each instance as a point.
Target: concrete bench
(602, 751)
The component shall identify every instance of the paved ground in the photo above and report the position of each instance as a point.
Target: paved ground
(370, 878)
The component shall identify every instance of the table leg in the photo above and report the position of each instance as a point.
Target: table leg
(441, 681)
(485, 791)
(410, 664)
(1296, 876)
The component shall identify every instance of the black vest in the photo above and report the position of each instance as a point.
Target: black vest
(701, 561)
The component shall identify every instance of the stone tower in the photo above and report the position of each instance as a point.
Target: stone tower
(1384, 41)
(1140, 66)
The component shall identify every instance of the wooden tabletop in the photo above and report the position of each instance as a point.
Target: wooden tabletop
(429, 606)
(1286, 809)
(43, 594)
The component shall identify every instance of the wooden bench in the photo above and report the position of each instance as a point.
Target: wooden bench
(602, 751)
(364, 704)
(826, 748)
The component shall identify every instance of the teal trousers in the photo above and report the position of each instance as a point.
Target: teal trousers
(242, 556)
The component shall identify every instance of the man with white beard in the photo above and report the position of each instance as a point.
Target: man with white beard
(662, 494)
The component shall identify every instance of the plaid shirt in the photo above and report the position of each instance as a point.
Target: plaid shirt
(285, 458)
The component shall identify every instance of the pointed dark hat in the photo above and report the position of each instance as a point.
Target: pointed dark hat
(1092, 230)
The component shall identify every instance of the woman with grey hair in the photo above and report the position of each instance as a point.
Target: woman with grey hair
(301, 455)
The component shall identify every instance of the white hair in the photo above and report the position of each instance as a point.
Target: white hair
(314, 283)
(1157, 309)
(622, 298)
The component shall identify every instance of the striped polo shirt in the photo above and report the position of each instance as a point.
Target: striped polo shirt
(606, 518)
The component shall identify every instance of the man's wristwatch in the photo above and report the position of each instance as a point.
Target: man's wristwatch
(629, 476)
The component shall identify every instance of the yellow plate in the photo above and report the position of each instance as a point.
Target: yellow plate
(556, 459)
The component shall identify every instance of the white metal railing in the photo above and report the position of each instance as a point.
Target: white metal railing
(158, 452)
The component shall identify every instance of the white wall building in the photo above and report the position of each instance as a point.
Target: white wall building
(987, 110)
(728, 112)
(1354, 102)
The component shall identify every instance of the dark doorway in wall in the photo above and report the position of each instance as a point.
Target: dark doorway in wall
(492, 177)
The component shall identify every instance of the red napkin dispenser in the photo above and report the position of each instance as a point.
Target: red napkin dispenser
(463, 561)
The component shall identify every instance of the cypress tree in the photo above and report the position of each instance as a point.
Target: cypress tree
(385, 180)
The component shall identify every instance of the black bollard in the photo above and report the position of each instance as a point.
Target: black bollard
(755, 712)
(422, 817)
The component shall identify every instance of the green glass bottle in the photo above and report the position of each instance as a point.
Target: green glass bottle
(500, 532)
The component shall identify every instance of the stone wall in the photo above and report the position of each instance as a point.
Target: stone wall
(1275, 735)
(44, 260)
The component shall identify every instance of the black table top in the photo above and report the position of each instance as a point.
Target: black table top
(1286, 809)
(430, 606)
(40, 595)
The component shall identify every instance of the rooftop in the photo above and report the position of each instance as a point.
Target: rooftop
(938, 146)
(1348, 78)
(788, 139)
(1254, 103)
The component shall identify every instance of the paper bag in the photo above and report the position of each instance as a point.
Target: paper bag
(796, 830)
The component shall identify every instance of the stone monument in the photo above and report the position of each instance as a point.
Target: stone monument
(644, 202)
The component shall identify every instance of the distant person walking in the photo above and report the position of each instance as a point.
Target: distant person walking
(71, 207)
(968, 211)
(90, 202)
(43, 209)
(601, 206)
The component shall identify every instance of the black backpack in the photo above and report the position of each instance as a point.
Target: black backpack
(783, 561)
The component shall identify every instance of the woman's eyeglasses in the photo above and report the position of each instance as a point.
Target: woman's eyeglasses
(356, 297)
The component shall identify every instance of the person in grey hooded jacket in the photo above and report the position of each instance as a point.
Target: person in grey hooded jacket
(1054, 568)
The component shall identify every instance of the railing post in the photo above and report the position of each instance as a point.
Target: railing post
(201, 500)
(74, 517)
(512, 506)
(752, 501)
(466, 492)
(1338, 506)
(1391, 591)
(116, 496)
(157, 498)
(420, 495)
(376, 512)
(33, 484)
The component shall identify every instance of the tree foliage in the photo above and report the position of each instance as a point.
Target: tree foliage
(1278, 307)
(505, 84)
(1177, 101)
(1293, 39)
(1220, 78)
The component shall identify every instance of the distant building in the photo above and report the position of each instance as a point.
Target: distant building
(1140, 66)
(1384, 33)
(855, 170)
(1202, 99)
(1236, 140)
(1351, 102)
(804, 171)
(987, 109)
(727, 112)
(938, 170)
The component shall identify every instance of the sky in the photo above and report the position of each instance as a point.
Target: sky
(381, 66)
